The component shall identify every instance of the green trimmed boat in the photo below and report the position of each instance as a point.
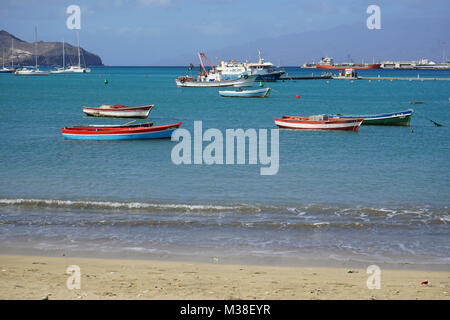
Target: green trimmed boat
(401, 118)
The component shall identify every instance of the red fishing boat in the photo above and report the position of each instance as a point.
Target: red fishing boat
(119, 132)
(318, 122)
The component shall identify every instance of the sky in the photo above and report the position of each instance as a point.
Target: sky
(288, 32)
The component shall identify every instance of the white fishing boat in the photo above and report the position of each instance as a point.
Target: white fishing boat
(119, 111)
(36, 71)
(213, 78)
(258, 93)
(244, 81)
(264, 71)
(318, 122)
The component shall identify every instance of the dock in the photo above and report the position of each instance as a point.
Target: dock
(304, 78)
(403, 78)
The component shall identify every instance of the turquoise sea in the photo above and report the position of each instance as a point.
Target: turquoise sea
(380, 194)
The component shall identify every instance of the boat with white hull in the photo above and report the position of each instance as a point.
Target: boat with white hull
(36, 71)
(72, 69)
(258, 93)
(318, 122)
(213, 78)
(264, 71)
(118, 111)
(245, 81)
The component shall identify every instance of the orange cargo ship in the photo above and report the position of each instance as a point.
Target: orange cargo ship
(327, 63)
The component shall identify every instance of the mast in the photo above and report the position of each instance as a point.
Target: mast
(35, 45)
(444, 58)
(64, 61)
(12, 52)
(3, 58)
(78, 40)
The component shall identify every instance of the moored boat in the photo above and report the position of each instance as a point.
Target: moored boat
(30, 72)
(328, 63)
(118, 111)
(244, 81)
(258, 93)
(318, 122)
(401, 118)
(264, 71)
(124, 132)
(213, 78)
(36, 71)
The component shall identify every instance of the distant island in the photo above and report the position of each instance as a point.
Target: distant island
(18, 52)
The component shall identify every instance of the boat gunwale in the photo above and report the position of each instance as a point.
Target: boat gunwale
(120, 109)
(380, 116)
(329, 121)
(113, 131)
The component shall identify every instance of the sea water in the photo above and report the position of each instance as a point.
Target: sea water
(380, 194)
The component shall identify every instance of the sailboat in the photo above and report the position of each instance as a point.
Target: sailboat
(63, 69)
(5, 69)
(78, 68)
(36, 71)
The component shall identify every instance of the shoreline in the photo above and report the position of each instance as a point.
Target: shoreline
(38, 277)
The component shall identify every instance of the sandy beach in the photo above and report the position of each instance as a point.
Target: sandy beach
(32, 277)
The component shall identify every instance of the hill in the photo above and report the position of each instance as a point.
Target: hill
(48, 53)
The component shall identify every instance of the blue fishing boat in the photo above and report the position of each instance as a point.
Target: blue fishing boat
(120, 132)
(258, 93)
(401, 118)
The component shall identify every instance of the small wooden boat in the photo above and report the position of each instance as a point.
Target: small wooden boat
(318, 122)
(416, 102)
(401, 118)
(258, 93)
(118, 111)
(121, 132)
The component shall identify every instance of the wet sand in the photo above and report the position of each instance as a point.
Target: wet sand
(32, 277)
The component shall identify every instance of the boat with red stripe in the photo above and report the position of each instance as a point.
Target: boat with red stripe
(318, 122)
(118, 111)
(119, 132)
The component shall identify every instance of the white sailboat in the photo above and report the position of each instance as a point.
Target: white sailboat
(36, 71)
(5, 69)
(63, 69)
(78, 68)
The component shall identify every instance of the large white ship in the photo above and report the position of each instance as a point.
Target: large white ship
(265, 71)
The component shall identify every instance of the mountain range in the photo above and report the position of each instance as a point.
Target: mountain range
(18, 52)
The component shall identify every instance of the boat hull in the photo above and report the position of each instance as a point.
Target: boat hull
(260, 93)
(331, 124)
(31, 73)
(124, 133)
(337, 66)
(243, 82)
(270, 77)
(402, 118)
(138, 112)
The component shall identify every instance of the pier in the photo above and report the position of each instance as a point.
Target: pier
(403, 78)
(305, 78)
